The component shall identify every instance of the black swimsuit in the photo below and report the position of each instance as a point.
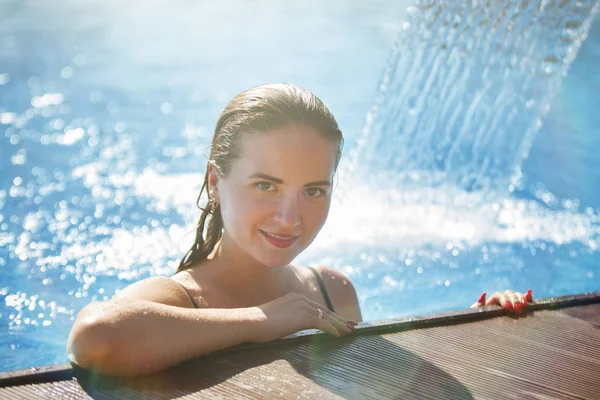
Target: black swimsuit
(315, 273)
(322, 287)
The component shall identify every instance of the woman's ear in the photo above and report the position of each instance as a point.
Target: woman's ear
(213, 180)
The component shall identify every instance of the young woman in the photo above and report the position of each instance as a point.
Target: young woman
(268, 184)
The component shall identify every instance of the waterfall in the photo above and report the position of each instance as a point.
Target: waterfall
(465, 90)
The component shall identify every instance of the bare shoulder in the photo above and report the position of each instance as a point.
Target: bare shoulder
(341, 292)
(158, 289)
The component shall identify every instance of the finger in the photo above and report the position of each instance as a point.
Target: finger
(325, 321)
(513, 300)
(480, 302)
(496, 299)
(341, 319)
(339, 323)
(512, 296)
(482, 298)
(325, 309)
(522, 298)
(326, 326)
(507, 302)
(504, 300)
(529, 296)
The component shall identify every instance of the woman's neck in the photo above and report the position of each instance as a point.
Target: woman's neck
(241, 274)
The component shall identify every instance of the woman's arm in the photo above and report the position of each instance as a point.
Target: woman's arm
(133, 335)
(149, 327)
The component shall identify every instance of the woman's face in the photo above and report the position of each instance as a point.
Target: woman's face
(276, 196)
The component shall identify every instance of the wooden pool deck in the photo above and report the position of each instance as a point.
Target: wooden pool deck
(551, 353)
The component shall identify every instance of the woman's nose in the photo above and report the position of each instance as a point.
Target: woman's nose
(288, 213)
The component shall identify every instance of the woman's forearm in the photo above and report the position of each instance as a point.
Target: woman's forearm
(141, 337)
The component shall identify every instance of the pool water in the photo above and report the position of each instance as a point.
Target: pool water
(106, 112)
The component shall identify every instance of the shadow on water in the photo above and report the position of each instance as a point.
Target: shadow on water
(343, 367)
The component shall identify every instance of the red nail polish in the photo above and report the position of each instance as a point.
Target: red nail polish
(509, 305)
(529, 295)
(524, 301)
(518, 308)
(482, 298)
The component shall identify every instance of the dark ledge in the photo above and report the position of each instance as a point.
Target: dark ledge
(65, 371)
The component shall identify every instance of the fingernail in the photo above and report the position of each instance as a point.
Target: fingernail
(524, 301)
(529, 295)
(482, 298)
(351, 327)
(509, 305)
(518, 308)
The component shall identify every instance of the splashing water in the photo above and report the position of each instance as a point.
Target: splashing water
(466, 89)
(462, 96)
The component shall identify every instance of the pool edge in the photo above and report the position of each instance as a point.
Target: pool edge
(65, 371)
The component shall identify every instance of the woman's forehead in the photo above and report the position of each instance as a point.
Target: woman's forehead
(297, 152)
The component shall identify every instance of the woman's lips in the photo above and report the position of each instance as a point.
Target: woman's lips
(280, 241)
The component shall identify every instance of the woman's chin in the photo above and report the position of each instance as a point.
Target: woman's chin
(277, 261)
(272, 257)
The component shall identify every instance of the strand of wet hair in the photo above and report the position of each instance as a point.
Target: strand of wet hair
(202, 247)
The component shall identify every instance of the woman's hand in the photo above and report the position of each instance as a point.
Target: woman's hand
(295, 312)
(512, 301)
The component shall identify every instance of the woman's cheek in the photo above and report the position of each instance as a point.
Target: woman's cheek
(255, 207)
(317, 213)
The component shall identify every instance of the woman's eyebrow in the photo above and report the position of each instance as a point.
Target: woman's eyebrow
(265, 176)
(260, 175)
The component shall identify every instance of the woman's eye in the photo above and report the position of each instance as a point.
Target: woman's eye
(265, 186)
(315, 192)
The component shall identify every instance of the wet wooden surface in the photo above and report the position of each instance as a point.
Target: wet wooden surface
(549, 354)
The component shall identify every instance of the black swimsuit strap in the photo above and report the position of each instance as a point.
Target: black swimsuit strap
(323, 290)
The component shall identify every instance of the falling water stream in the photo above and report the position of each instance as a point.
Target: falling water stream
(467, 87)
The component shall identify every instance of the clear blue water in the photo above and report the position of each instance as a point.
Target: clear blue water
(106, 112)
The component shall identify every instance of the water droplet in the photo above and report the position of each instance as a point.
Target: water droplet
(7, 118)
(66, 73)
